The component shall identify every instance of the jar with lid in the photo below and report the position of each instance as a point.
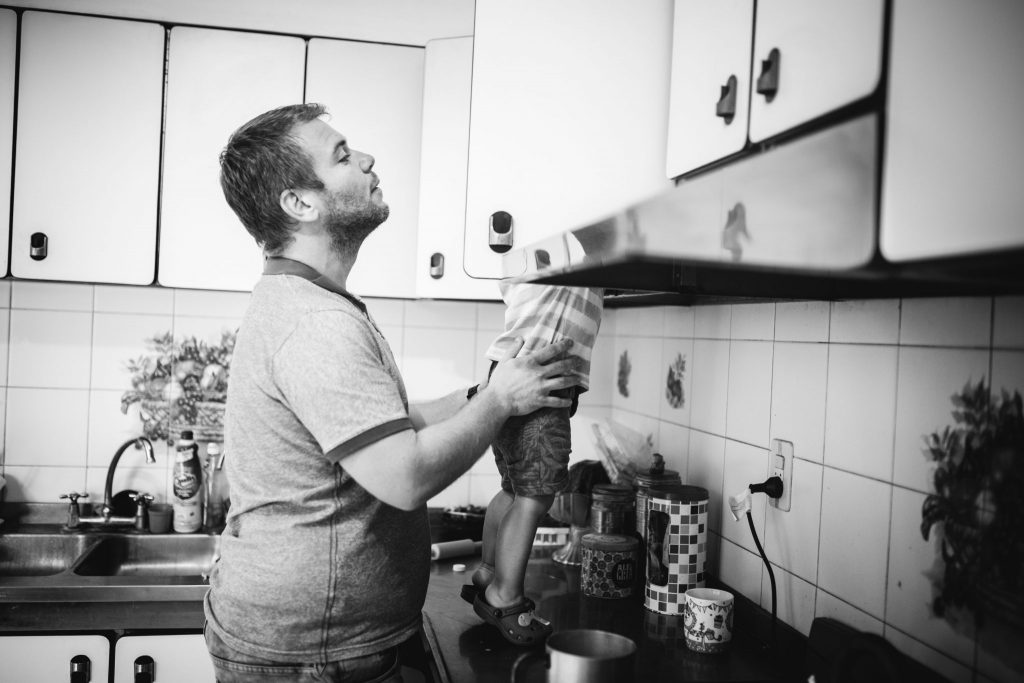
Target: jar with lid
(645, 480)
(609, 565)
(611, 509)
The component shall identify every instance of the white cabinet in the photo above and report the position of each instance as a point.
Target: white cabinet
(954, 154)
(173, 658)
(216, 81)
(48, 659)
(447, 79)
(568, 118)
(8, 47)
(88, 148)
(374, 94)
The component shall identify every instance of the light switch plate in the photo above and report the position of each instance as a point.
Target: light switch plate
(780, 464)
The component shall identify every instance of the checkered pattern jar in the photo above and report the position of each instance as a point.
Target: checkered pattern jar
(677, 534)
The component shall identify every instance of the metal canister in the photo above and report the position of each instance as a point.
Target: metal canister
(611, 509)
(656, 476)
(677, 535)
(609, 565)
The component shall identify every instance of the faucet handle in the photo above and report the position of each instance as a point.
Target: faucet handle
(73, 496)
(141, 499)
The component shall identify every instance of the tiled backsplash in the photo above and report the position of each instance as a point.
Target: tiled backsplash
(854, 385)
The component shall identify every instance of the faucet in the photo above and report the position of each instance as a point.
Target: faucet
(106, 516)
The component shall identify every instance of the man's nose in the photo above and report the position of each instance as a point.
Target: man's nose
(366, 162)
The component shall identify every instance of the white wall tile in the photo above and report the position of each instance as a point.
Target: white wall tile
(805, 321)
(679, 321)
(860, 412)
(645, 378)
(50, 349)
(208, 329)
(389, 312)
(710, 371)
(852, 559)
(604, 369)
(641, 322)
(794, 599)
(203, 303)
(5, 293)
(109, 428)
(51, 296)
(436, 362)
(456, 494)
(740, 569)
(5, 336)
(912, 561)
(145, 300)
(946, 322)
(707, 469)
(118, 338)
(791, 537)
(712, 322)
(676, 391)
(42, 484)
(1007, 372)
(927, 380)
(753, 321)
(490, 316)
(865, 322)
(674, 446)
(799, 374)
(831, 607)
(748, 411)
(47, 427)
(744, 465)
(1008, 323)
(643, 433)
(933, 659)
(457, 315)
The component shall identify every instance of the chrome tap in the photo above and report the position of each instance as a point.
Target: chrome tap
(106, 516)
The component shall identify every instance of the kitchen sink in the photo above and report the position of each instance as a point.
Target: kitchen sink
(40, 554)
(181, 556)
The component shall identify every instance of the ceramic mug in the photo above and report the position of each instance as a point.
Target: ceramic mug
(707, 619)
(582, 656)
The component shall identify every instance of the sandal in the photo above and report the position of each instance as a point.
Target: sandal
(469, 592)
(517, 623)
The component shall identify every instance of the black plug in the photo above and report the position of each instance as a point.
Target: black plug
(771, 487)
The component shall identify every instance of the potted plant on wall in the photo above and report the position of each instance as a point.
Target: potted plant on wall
(181, 385)
(978, 505)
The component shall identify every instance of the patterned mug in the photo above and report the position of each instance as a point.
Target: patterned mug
(707, 619)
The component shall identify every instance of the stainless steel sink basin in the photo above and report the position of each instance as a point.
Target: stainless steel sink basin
(40, 554)
(183, 556)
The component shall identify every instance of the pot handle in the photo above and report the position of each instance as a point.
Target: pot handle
(525, 660)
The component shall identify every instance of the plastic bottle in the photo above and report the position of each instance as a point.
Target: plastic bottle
(188, 485)
(213, 511)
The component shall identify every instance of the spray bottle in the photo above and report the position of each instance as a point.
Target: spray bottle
(188, 485)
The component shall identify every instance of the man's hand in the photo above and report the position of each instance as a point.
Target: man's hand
(522, 383)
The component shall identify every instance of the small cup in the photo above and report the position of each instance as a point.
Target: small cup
(707, 619)
(160, 515)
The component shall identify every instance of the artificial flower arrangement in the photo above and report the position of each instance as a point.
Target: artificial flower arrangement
(182, 385)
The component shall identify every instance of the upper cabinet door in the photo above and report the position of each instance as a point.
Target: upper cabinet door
(811, 57)
(216, 81)
(710, 82)
(88, 149)
(8, 47)
(954, 155)
(447, 80)
(569, 118)
(374, 94)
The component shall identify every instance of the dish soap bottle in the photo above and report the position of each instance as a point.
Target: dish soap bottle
(188, 480)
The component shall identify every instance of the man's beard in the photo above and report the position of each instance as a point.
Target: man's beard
(349, 228)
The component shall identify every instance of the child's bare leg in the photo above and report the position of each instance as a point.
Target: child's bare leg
(512, 552)
(496, 510)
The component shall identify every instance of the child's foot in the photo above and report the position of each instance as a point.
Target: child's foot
(482, 578)
(516, 621)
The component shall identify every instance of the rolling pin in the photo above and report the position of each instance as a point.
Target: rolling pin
(465, 546)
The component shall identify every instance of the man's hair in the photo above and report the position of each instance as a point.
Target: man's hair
(262, 159)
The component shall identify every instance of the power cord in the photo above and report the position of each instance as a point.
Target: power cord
(772, 487)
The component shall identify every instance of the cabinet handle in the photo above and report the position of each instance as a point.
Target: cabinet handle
(726, 107)
(768, 81)
(144, 670)
(81, 669)
(500, 235)
(37, 246)
(437, 265)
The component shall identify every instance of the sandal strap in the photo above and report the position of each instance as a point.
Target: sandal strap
(526, 605)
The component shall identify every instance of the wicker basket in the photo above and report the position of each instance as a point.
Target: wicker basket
(207, 426)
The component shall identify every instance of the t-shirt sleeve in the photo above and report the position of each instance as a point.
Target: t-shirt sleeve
(331, 373)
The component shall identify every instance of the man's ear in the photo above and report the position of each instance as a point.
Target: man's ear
(299, 205)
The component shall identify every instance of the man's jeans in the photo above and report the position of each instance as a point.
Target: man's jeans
(232, 666)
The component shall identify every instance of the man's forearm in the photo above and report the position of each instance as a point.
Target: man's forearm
(425, 413)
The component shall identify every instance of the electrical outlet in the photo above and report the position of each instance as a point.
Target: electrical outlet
(780, 465)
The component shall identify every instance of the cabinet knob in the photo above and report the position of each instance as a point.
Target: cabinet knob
(437, 265)
(81, 669)
(768, 81)
(500, 234)
(726, 107)
(37, 246)
(144, 669)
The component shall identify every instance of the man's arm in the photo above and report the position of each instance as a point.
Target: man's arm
(407, 469)
(425, 413)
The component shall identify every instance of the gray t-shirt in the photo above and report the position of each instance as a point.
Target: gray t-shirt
(312, 566)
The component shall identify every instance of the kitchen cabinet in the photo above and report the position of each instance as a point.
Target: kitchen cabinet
(216, 81)
(55, 658)
(568, 118)
(447, 81)
(8, 48)
(88, 147)
(172, 658)
(809, 58)
(374, 94)
(954, 153)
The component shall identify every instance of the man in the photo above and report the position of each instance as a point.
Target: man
(325, 557)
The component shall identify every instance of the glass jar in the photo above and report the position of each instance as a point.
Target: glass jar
(611, 509)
